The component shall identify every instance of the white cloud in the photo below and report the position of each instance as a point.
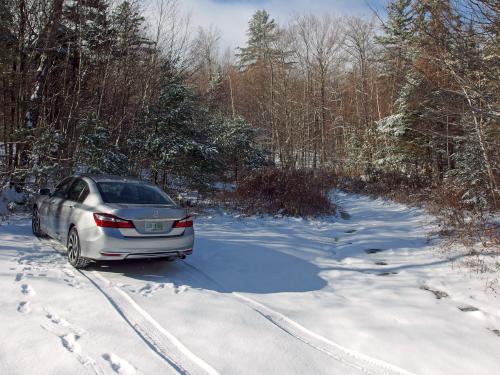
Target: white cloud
(231, 17)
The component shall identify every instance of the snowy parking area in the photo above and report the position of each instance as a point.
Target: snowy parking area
(368, 294)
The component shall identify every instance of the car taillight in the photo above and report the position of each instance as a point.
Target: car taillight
(111, 221)
(184, 223)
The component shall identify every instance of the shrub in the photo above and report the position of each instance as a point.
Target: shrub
(287, 192)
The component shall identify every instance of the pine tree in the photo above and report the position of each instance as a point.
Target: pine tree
(236, 142)
(396, 43)
(398, 58)
(262, 33)
(259, 59)
(95, 152)
(175, 140)
(128, 27)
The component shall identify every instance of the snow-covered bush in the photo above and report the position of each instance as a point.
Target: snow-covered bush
(236, 142)
(9, 197)
(393, 125)
(96, 153)
(470, 176)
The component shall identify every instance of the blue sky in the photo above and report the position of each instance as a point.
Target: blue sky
(231, 16)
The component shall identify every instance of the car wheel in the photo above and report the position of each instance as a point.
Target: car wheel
(74, 253)
(35, 223)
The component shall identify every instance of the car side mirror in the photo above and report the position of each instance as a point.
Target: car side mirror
(44, 192)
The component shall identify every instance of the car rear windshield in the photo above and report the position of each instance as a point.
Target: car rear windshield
(132, 193)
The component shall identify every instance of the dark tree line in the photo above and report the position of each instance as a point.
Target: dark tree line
(91, 87)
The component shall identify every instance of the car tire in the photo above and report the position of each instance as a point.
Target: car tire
(74, 250)
(35, 223)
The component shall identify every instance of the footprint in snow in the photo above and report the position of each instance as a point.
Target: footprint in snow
(438, 293)
(24, 307)
(181, 289)
(61, 322)
(69, 341)
(387, 273)
(71, 279)
(56, 319)
(177, 289)
(19, 276)
(27, 290)
(344, 215)
(373, 251)
(468, 308)
(119, 365)
(149, 290)
(495, 331)
(68, 272)
(72, 283)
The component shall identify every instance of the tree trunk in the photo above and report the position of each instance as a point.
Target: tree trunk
(46, 60)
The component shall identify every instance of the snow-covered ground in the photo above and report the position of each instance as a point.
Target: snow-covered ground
(364, 295)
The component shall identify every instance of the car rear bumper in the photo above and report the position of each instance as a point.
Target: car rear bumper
(110, 244)
(181, 254)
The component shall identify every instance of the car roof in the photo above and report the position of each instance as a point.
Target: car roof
(109, 178)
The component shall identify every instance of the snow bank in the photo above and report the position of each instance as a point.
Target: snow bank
(9, 197)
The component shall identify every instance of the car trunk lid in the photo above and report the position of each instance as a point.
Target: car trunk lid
(149, 220)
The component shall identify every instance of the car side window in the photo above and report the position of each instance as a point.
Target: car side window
(76, 190)
(61, 188)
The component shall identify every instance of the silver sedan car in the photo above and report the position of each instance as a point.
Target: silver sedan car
(110, 218)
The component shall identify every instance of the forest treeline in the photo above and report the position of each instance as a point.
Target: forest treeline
(408, 96)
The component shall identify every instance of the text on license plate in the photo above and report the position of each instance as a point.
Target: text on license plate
(153, 226)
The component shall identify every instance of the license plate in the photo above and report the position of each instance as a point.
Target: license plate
(153, 226)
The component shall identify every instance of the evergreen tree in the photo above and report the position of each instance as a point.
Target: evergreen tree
(175, 140)
(128, 29)
(95, 152)
(236, 142)
(398, 57)
(87, 24)
(262, 33)
(396, 42)
(260, 58)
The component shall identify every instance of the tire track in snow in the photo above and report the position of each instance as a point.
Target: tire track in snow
(162, 342)
(156, 337)
(182, 359)
(352, 358)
